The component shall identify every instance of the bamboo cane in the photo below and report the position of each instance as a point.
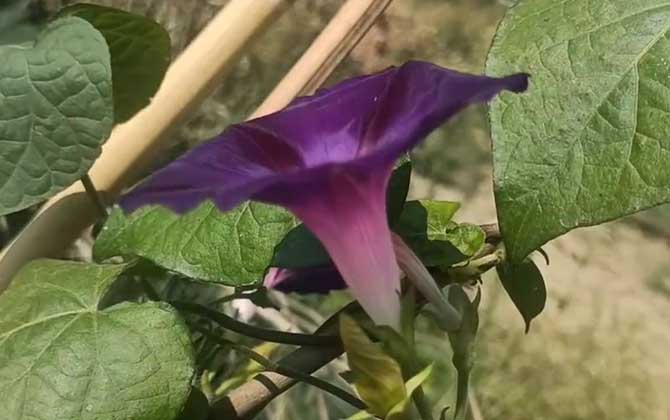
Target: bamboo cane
(188, 81)
(337, 39)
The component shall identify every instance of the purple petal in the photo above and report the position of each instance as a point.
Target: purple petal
(328, 158)
(361, 124)
(319, 280)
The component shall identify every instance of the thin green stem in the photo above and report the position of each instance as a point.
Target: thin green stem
(286, 371)
(264, 334)
(227, 298)
(462, 396)
(409, 334)
(475, 268)
(422, 404)
(94, 195)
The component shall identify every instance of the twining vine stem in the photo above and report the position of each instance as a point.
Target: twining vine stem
(285, 370)
(94, 195)
(275, 336)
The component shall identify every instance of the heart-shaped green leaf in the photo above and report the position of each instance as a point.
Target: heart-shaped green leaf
(55, 111)
(590, 141)
(63, 357)
(232, 248)
(140, 53)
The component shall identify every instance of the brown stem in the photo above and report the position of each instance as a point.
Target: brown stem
(492, 232)
(248, 400)
(94, 195)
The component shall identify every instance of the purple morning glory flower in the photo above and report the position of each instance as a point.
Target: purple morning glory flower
(328, 158)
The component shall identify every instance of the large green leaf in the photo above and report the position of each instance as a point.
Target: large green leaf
(525, 286)
(232, 248)
(55, 111)
(62, 357)
(140, 53)
(590, 141)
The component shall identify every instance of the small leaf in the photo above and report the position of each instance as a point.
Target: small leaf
(525, 286)
(56, 111)
(443, 413)
(140, 54)
(361, 415)
(423, 225)
(301, 249)
(466, 237)
(233, 248)
(377, 376)
(401, 411)
(590, 141)
(463, 344)
(63, 357)
(246, 372)
(417, 380)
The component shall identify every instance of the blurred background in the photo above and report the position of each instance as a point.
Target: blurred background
(599, 351)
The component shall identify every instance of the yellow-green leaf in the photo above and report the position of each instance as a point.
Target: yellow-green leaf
(377, 376)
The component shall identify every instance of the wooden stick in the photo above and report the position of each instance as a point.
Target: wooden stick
(337, 39)
(251, 398)
(131, 146)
